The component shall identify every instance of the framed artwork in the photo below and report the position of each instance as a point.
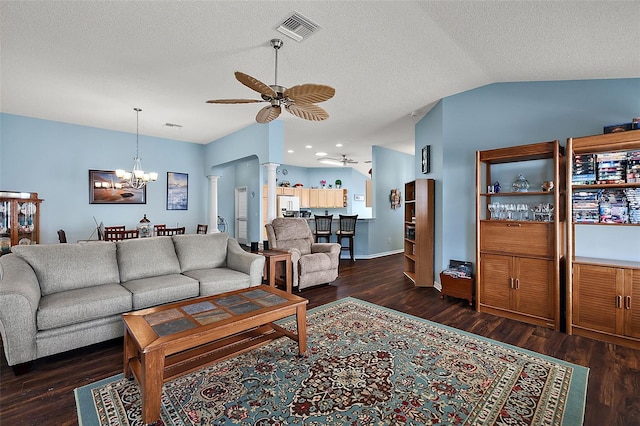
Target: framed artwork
(177, 191)
(106, 188)
(426, 159)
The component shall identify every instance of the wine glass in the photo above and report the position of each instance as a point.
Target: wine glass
(492, 209)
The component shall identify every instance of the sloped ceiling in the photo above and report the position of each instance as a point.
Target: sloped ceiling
(91, 62)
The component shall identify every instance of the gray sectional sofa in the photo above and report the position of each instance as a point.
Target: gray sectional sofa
(58, 297)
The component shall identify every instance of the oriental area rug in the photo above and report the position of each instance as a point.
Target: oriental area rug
(365, 365)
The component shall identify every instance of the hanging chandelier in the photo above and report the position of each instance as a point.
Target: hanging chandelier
(136, 178)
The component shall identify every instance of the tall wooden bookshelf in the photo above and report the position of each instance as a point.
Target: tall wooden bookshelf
(519, 259)
(419, 225)
(603, 294)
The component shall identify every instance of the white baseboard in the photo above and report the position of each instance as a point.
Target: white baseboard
(345, 255)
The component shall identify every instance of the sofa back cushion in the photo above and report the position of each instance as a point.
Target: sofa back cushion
(62, 267)
(201, 251)
(146, 257)
(288, 233)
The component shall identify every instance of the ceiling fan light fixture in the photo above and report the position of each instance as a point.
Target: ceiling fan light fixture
(299, 100)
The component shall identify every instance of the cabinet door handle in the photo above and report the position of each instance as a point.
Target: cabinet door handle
(517, 283)
(618, 301)
(511, 282)
(514, 224)
(627, 302)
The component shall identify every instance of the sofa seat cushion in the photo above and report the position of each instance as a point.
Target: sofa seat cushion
(314, 262)
(146, 257)
(155, 291)
(219, 280)
(83, 304)
(197, 251)
(62, 267)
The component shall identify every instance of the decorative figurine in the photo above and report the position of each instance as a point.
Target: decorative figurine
(496, 187)
(521, 184)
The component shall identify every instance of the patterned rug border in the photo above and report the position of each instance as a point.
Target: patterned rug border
(576, 397)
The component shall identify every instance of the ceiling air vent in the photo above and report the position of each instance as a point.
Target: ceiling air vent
(298, 27)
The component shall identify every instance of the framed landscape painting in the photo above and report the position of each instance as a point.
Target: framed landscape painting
(106, 188)
(177, 191)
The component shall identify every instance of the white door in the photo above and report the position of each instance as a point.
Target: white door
(241, 214)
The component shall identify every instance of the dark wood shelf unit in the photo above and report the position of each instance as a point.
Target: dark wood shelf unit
(419, 228)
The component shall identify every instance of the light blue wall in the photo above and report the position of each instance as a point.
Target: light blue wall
(53, 159)
(508, 114)
(391, 170)
(237, 159)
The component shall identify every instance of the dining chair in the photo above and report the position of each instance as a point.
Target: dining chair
(202, 229)
(171, 231)
(347, 229)
(120, 234)
(323, 227)
(159, 226)
(115, 228)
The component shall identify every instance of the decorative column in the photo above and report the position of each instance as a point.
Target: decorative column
(213, 204)
(271, 191)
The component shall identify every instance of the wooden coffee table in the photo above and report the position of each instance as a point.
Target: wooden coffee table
(164, 342)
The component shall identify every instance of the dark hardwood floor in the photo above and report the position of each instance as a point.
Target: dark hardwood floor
(44, 395)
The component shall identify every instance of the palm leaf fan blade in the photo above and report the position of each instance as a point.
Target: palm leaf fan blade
(267, 114)
(309, 93)
(308, 112)
(255, 84)
(234, 101)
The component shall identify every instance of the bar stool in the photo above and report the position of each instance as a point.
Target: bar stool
(323, 227)
(347, 229)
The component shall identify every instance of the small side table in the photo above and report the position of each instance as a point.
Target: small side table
(272, 257)
(461, 287)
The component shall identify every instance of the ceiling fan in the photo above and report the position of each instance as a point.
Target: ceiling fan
(298, 100)
(343, 161)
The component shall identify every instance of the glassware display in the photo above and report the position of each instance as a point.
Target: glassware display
(19, 219)
(542, 212)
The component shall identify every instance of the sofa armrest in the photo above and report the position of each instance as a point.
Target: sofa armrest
(331, 249)
(19, 300)
(240, 260)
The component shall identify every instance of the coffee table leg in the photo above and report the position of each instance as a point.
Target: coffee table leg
(301, 317)
(272, 271)
(130, 352)
(289, 271)
(151, 386)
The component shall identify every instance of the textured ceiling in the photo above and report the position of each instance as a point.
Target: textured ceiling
(91, 62)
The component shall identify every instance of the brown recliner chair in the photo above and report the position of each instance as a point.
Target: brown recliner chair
(313, 263)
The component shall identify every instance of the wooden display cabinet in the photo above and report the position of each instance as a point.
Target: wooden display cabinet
(519, 261)
(19, 219)
(419, 231)
(603, 295)
(604, 292)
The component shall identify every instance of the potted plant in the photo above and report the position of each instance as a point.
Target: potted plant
(338, 183)
(323, 182)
